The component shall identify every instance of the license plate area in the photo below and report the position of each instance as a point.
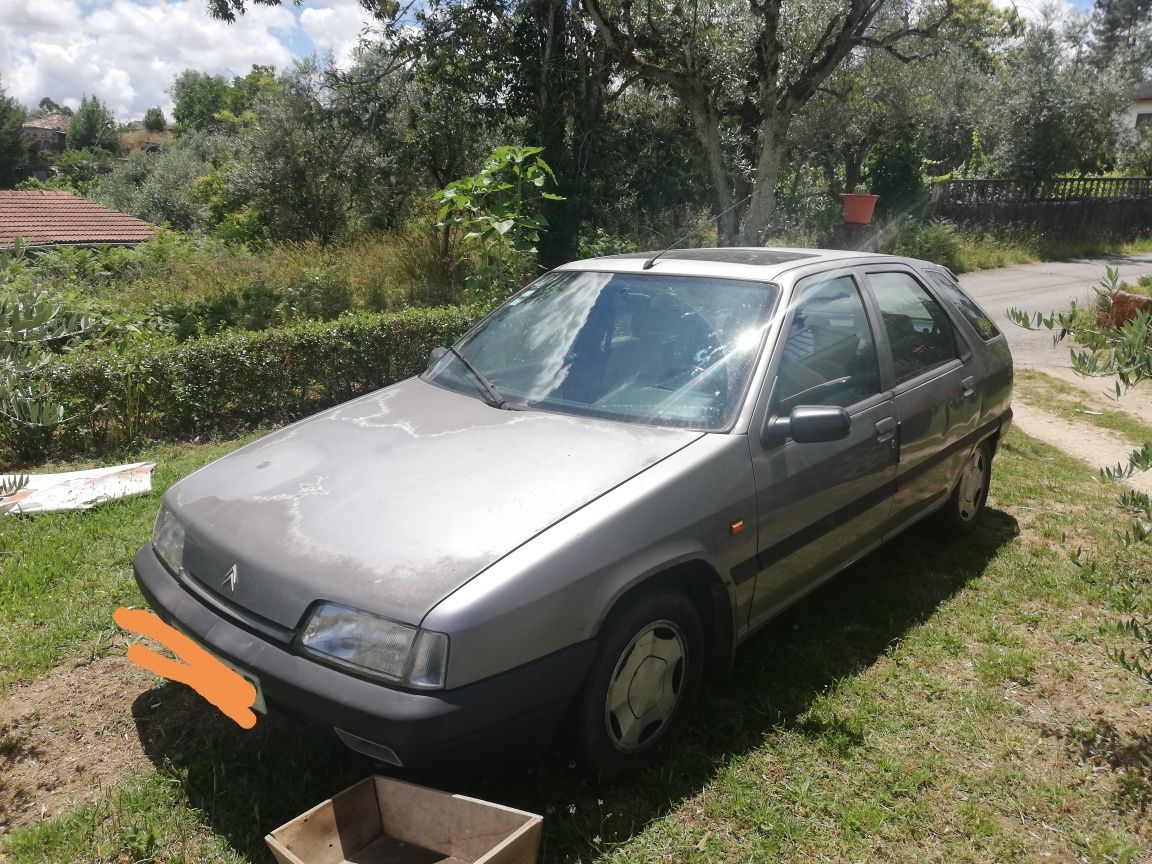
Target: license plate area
(260, 706)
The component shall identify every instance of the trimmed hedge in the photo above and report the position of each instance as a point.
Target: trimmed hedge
(222, 385)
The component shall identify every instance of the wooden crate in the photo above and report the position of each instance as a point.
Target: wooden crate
(386, 821)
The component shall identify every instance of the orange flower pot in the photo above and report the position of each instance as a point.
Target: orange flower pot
(858, 209)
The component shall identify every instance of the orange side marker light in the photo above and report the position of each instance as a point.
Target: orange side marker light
(736, 527)
(196, 667)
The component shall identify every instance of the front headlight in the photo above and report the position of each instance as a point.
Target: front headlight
(385, 649)
(168, 539)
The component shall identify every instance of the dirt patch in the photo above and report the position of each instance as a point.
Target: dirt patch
(1095, 447)
(68, 737)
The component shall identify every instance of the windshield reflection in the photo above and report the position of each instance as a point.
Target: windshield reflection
(645, 348)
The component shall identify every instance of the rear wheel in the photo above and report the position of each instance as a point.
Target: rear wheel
(642, 685)
(971, 493)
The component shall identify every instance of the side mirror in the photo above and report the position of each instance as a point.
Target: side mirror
(808, 424)
(434, 355)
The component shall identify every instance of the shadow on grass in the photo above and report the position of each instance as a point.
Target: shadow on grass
(247, 783)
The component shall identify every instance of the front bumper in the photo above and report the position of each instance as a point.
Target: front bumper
(511, 715)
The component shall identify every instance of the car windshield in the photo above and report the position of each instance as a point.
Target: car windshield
(644, 348)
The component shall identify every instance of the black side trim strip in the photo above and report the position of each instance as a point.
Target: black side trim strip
(777, 552)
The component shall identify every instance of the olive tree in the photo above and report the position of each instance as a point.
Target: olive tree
(746, 70)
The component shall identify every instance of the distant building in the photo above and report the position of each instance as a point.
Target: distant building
(47, 133)
(1139, 106)
(62, 219)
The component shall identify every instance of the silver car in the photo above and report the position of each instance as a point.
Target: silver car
(574, 517)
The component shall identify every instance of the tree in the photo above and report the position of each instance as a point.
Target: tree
(49, 106)
(92, 127)
(198, 99)
(1050, 111)
(154, 120)
(13, 148)
(1122, 33)
(745, 72)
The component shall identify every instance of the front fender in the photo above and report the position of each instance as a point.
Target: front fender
(557, 589)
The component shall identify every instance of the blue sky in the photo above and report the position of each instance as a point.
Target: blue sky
(127, 51)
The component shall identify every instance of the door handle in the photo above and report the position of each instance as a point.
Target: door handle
(969, 385)
(886, 429)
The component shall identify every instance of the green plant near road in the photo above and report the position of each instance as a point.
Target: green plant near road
(1122, 352)
(964, 250)
(939, 701)
(496, 213)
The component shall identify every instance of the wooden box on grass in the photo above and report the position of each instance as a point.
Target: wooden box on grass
(385, 821)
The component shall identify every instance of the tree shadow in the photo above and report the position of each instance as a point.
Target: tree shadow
(245, 783)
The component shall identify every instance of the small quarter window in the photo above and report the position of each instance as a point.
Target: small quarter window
(919, 332)
(830, 356)
(964, 305)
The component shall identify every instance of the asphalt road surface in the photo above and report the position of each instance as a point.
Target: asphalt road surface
(1047, 287)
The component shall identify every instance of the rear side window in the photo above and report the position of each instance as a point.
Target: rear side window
(919, 332)
(964, 305)
(830, 356)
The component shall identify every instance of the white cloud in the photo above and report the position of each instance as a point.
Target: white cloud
(334, 28)
(128, 51)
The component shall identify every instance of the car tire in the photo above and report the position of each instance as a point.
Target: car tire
(970, 494)
(650, 661)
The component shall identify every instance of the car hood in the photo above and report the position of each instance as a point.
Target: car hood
(391, 502)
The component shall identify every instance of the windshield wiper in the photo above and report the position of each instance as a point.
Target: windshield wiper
(494, 398)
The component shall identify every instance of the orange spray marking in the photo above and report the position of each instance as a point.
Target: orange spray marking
(196, 667)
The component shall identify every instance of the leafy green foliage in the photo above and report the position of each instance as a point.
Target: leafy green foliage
(198, 99)
(30, 328)
(497, 214)
(168, 187)
(13, 150)
(238, 380)
(93, 127)
(1120, 349)
(154, 120)
(1051, 111)
(1139, 662)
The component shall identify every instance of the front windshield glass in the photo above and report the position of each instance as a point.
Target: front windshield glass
(645, 348)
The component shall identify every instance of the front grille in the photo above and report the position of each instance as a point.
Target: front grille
(249, 620)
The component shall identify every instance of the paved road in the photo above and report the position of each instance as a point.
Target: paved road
(1043, 288)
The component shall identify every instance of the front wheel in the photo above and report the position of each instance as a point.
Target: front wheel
(642, 685)
(971, 492)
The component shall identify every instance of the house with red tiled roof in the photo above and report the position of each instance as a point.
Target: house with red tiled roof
(63, 219)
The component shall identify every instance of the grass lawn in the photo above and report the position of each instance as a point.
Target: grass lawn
(64, 574)
(942, 700)
(1072, 403)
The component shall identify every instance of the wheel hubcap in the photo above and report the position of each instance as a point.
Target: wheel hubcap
(972, 485)
(646, 686)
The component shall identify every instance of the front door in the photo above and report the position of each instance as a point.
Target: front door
(821, 505)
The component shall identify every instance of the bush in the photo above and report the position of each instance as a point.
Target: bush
(937, 241)
(224, 384)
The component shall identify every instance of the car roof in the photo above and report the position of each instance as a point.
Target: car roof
(736, 262)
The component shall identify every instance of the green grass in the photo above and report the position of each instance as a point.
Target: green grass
(63, 574)
(1072, 403)
(942, 700)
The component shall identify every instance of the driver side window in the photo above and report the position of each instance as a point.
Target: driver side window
(830, 356)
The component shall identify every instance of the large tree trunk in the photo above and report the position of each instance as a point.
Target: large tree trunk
(773, 147)
(708, 131)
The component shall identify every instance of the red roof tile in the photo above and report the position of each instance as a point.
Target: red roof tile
(57, 218)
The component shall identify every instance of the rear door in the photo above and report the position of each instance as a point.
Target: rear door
(935, 388)
(820, 505)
